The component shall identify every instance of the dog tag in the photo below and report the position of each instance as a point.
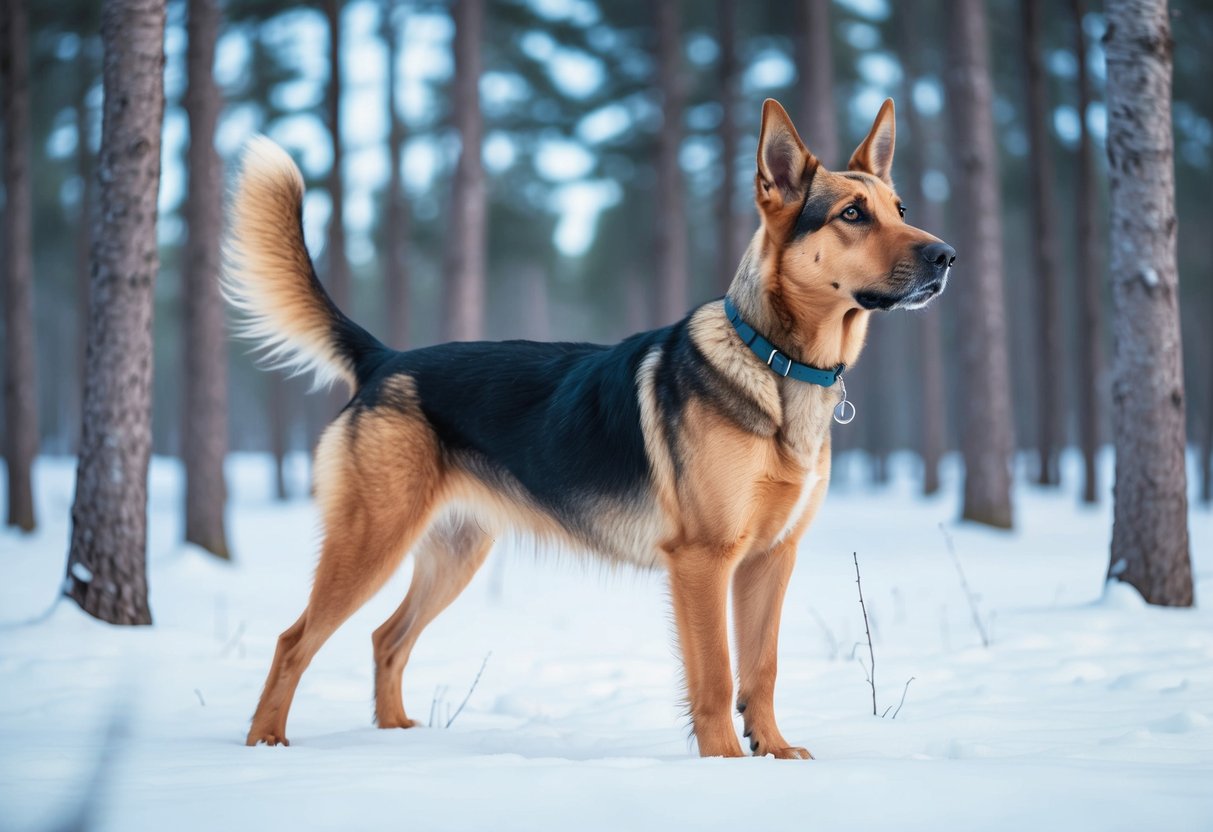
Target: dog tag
(844, 411)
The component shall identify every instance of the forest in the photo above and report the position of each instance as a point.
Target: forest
(582, 170)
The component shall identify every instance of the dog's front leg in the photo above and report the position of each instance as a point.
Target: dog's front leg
(699, 586)
(758, 589)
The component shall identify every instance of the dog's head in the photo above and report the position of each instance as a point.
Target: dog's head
(842, 236)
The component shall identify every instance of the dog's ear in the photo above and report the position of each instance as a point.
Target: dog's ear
(875, 155)
(785, 165)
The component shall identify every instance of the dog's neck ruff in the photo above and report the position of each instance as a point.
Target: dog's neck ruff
(780, 364)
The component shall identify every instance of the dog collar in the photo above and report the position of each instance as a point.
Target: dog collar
(780, 364)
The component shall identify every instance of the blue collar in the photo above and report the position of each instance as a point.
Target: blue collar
(770, 355)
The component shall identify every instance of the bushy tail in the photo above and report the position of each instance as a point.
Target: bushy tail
(269, 278)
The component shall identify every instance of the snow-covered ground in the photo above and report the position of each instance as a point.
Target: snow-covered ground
(1088, 710)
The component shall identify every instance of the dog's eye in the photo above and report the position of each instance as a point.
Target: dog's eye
(901, 209)
(851, 214)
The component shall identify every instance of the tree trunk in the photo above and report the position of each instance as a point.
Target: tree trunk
(927, 324)
(671, 221)
(464, 258)
(535, 317)
(335, 259)
(1150, 519)
(396, 215)
(106, 567)
(336, 263)
(1089, 300)
(279, 430)
(204, 424)
(729, 254)
(1050, 354)
(84, 229)
(815, 78)
(637, 307)
(987, 432)
(1206, 444)
(875, 382)
(20, 389)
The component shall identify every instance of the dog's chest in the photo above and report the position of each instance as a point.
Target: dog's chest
(807, 412)
(803, 438)
(808, 487)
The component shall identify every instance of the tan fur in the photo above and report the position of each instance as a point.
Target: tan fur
(266, 266)
(729, 494)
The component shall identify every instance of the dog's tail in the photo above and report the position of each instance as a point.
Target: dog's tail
(269, 278)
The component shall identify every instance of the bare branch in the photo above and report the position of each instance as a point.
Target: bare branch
(964, 585)
(234, 641)
(868, 630)
(829, 634)
(475, 682)
(903, 696)
(439, 692)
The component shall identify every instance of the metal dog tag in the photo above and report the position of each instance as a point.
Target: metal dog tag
(844, 411)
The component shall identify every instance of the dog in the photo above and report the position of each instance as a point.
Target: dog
(702, 447)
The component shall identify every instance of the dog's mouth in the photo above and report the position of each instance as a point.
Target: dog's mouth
(918, 295)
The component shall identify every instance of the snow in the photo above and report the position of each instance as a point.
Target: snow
(1089, 710)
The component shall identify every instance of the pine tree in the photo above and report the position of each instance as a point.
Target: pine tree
(337, 263)
(17, 269)
(818, 117)
(673, 279)
(464, 255)
(726, 223)
(987, 431)
(396, 217)
(106, 567)
(1088, 285)
(1150, 521)
(1046, 257)
(928, 324)
(204, 411)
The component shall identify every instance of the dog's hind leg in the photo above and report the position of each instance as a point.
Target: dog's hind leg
(376, 476)
(445, 562)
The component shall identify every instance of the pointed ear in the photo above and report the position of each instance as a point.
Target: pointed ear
(875, 155)
(785, 165)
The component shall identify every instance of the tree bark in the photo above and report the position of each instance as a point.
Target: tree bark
(337, 264)
(1206, 444)
(396, 215)
(1089, 300)
(927, 324)
(204, 424)
(1150, 518)
(84, 227)
(815, 78)
(987, 431)
(672, 255)
(106, 568)
(279, 429)
(531, 282)
(20, 388)
(464, 258)
(880, 355)
(729, 253)
(1049, 385)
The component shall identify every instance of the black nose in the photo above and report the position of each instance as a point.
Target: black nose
(939, 255)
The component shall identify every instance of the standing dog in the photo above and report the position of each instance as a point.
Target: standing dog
(702, 447)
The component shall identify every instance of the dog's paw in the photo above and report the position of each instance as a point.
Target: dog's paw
(266, 738)
(771, 742)
(398, 722)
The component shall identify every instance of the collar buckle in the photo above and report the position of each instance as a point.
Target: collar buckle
(774, 359)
